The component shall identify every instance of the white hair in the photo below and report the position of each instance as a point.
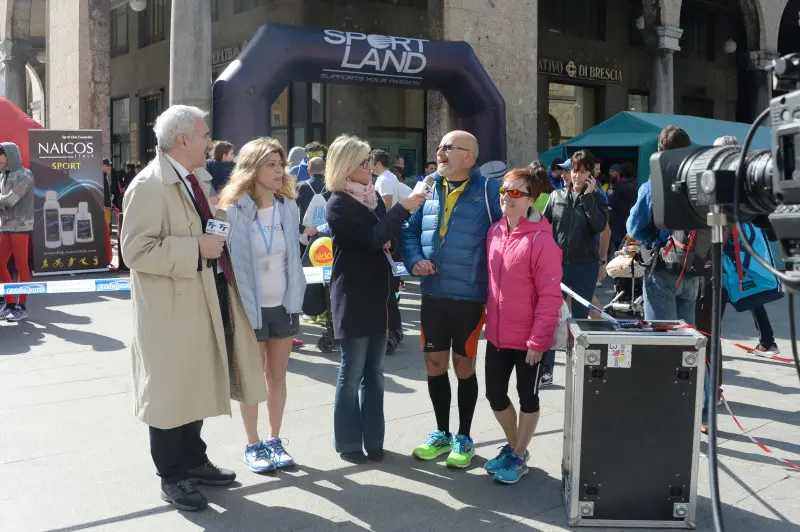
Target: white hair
(177, 120)
(727, 140)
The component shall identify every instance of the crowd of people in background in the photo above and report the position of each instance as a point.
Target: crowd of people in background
(490, 255)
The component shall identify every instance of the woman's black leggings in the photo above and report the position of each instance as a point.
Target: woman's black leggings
(499, 365)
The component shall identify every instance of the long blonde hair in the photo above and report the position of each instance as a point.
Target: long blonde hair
(243, 178)
(344, 157)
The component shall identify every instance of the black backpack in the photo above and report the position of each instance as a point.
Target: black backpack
(688, 253)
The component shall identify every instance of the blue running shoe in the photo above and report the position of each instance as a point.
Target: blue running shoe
(5, 310)
(496, 464)
(256, 458)
(513, 470)
(277, 454)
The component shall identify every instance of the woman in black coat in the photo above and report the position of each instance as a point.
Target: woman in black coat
(362, 231)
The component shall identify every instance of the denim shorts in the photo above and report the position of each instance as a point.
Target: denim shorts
(276, 324)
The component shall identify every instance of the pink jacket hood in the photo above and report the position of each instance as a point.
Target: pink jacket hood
(524, 285)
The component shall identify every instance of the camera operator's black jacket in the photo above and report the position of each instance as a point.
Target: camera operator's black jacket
(577, 220)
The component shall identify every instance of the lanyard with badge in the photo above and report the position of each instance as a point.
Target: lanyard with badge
(267, 245)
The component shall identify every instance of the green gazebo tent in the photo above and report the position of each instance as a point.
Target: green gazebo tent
(633, 137)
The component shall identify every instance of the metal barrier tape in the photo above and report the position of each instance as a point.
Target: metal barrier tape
(314, 275)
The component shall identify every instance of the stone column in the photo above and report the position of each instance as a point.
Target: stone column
(505, 38)
(762, 80)
(662, 94)
(13, 80)
(79, 66)
(190, 54)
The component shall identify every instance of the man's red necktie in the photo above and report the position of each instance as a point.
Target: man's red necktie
(205, 215)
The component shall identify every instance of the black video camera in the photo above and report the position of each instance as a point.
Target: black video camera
(693, 186)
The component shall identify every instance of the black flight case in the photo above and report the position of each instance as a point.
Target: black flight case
(631, 425)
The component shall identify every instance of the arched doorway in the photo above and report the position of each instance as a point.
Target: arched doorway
(713, 67)
(789, 30)
(554, 132)
(244, 92)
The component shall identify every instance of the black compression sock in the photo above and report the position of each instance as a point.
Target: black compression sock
(439, 390)
(467, 399)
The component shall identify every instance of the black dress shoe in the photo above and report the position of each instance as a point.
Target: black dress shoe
(376, 455)
(183, 496)
(211, 475)
(355, 457)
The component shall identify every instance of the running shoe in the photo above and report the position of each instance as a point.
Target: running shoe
(255, 457)
(772, 350)
(496, 464)
(462, 453)
(277, 454)
(437, 444)
(512, 471)
(546, 380)
(18, 313)
(297, 342)
(5, 311)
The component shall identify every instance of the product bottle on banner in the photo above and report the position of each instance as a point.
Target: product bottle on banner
(83, 224)
(68, 225)
(52, 220)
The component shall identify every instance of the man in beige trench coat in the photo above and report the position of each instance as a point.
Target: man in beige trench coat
(193, 347)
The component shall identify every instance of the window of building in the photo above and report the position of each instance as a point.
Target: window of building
(635, 11)
(580, 18)
(214, 10)
(298, 114)
(695, 106)
(572, 111)
(153, 23)
(244, 5)
(120, 132)
(119, 31)
(697, 21)
(638, 102)
(149, 108)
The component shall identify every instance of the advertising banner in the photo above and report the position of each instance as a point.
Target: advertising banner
(369, 60)
(69, 233)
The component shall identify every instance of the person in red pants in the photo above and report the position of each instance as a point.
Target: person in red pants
(16, 224)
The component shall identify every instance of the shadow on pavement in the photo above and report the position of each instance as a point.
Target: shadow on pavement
(438, 498)
(22, 337)
(329, 373)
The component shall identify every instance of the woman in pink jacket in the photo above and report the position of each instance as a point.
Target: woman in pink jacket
(521, 316)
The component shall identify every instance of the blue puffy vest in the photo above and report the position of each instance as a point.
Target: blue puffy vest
(460, 260)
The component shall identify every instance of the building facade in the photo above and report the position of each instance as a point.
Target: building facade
(561, 65)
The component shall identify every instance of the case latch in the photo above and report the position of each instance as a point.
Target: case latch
(586, 509)
(591, 357)
(690, 359)
(680, 510)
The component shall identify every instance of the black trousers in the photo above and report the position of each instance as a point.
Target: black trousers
(499, 365)
(177, 450)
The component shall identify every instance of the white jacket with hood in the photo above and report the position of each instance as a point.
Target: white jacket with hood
(16, 193)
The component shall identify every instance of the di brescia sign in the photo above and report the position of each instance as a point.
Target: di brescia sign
(574, 70)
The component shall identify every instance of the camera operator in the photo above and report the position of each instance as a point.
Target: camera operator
(668, 295)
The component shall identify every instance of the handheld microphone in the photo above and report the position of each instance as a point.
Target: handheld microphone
(218, 226)
(425, 187)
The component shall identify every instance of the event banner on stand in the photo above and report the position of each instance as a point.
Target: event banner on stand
(69, 233)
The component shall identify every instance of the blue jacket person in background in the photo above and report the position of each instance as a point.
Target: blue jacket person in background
(445, 244)
(664, 297)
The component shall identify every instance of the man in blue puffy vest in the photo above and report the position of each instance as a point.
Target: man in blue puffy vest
(444, 242)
